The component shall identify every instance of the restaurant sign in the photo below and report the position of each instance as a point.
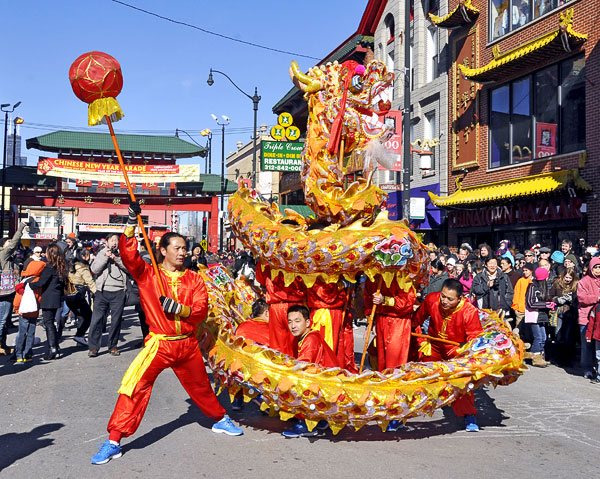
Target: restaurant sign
(524, 212)
(281, 155)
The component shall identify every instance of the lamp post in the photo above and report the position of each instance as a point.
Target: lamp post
(222, 125)
(207, 132)
(406, 156)
(17, 121)
(6, 111)
(255, 99)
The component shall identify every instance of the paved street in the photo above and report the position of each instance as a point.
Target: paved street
(54, 414)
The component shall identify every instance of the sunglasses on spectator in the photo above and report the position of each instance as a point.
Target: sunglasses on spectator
(528, 255)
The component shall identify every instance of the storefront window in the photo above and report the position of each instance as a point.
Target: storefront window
(508, 15)
(573, 105)
(499, 127)
(521, 121)
(557, 94)
(546, 111)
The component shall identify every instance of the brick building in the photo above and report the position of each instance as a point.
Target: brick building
(524, 144)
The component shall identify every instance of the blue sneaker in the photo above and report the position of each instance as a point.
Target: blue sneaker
(226, 426)
(107, 452)
(299, 430)
(471, 423)
(395, 425)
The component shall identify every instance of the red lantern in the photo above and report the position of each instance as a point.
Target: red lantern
(96, 79)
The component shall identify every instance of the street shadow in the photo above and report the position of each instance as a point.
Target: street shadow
(488, 415)
(192, 415)
(15, 446)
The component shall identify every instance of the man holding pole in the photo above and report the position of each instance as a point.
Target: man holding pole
(171, 343)
(452, 318)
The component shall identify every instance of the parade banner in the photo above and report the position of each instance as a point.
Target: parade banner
(109, 172)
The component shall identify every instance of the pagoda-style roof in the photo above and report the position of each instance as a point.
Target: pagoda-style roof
(148, 145)
(539, 50)
(464, 14)
(341, 53)
(518, 188)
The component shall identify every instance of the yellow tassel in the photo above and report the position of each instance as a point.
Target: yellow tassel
(425, 348)
(107, 106)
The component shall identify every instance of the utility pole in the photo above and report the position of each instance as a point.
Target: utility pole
(406, 156)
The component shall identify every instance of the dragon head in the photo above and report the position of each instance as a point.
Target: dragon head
(348, 97)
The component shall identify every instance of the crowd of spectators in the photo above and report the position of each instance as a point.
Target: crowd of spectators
(549, 297)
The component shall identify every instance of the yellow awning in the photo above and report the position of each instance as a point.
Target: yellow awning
(540, 49)
(463, 14)
(511, 189)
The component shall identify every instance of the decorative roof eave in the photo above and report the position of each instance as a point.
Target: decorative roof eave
(528, 186)
(463, 14)
(557, 42)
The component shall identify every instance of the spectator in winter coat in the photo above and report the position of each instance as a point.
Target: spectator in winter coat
(9, 279)
(27, 321)
(537, 308)
(588, 294)
(564, 293)
(518, 305)
(507, 268)
(492, 287)
(436, 279)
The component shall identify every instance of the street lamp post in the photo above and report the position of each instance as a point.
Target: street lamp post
(255, 99)
(207, 132)
(17, 121)
(221, 214)
(6, 111)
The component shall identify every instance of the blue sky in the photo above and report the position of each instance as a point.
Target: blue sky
(165, 66)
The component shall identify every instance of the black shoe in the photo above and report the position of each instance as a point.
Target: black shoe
(54, 353)
(595, 380)
(92, 353)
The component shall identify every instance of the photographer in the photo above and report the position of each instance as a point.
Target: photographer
(111, 284)
(492, 287)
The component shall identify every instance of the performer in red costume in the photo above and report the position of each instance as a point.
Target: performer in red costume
(312, 348)
(171, 343)
(454, 318)
(280, 297)
(392, 319)
(326, 302)
(256, 328)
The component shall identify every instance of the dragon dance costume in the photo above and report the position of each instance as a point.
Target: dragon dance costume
(462, 324)
(326, 302)
(393, 323)
(170, 344)
(255, 329)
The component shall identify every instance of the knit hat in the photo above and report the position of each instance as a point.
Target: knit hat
(528, 266)
(572, 258)
(541, 274)
(37, 249)
(519, 256)
(71, 235)
(558, 256)
(451, 261)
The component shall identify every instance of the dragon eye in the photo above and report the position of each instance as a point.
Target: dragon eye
(356, 83)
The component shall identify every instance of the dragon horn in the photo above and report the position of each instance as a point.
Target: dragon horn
(307, 84)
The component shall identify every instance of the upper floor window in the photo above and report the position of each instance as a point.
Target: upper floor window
(539, 115)
(432, 54)
(390, 28)
(508, 15)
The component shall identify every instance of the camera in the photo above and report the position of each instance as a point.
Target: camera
(115, 251)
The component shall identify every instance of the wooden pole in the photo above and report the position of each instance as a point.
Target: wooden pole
(447, 341)
(369, 328)
(132, 196)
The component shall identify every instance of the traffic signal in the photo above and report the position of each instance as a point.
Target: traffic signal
(204, 226)
(62, 231)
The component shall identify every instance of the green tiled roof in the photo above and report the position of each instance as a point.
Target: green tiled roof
(27, 176)
(344, 50)
(209, 184)
(148, 144)
(301, 209)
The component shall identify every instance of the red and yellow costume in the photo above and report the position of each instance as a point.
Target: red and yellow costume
(326, 302)
(255, 329)
(392, 319)
(171, 343)
(462, 324)
(279, 298)
(313, 349)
